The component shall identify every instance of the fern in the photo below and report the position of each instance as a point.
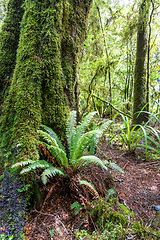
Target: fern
(77, 207)
(53, 135)
(86, 160)
(90, 187)
(60, 155)
(78, 144)
(47, 138)
(83, 144)
(94, 142)
(51, 172)
(23, 163)
(36, 164)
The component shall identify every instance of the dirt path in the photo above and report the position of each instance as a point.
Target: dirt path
(139, 188)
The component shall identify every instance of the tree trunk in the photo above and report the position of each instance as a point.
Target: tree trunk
(45, 75)
(9, 38)
(140, 79)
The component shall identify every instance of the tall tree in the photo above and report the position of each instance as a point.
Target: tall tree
(140, 78)
(9, 38)
(45, 76)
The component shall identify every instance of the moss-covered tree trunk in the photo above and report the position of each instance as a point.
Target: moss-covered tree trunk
(45, 75)
(140, 78)
(9, 38)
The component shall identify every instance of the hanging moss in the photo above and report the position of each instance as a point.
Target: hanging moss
(9, 38)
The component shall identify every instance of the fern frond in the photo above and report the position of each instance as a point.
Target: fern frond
(77, 207)
(47, 138)
(60, 156)
(83, 144)
(114, 166)
(86, 160)
(36, 164)
(80, 131)
(23, 163)
(70, 130)
(95, 140)
(51, 172)
(90, 187)
(53, 135)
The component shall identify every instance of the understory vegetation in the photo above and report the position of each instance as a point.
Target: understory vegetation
(79, 119)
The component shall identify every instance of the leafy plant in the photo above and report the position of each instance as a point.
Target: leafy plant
(131, 135)
(77, 207)
(78, 144)
(68, 163)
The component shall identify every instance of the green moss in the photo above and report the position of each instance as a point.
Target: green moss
(42, 88)
(9, 38)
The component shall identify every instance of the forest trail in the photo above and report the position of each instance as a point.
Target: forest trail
(138, 189)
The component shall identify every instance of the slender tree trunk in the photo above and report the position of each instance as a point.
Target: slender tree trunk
(148, 56)
(45, 76)
(140, 79)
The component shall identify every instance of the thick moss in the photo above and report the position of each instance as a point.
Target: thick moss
(9, 38)
(42, 89)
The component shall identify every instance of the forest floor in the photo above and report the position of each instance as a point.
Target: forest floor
(138, 189)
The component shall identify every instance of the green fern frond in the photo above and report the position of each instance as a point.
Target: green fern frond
(77, 207)
(60, 156)
(91, 188)
(115, 166)
(95, 139)
(36, 164)
(80, 131)
(47, 138)
(83, 144)
(51, 172)
(23, 163)
(86, 160)
(53, 135)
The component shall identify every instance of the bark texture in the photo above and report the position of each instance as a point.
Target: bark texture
(44, 79)
(140, 78)
(9, 38)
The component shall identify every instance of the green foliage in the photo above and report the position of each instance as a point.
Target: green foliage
(115, 221)
(78, 144)
(77, 207)
(131, 136)
(9, 38)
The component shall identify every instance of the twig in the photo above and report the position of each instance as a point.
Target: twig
(112, 106)
(126, 165)
(48, 214)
